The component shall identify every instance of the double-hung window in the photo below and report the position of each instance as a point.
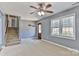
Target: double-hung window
(64, 26)
(55, 27)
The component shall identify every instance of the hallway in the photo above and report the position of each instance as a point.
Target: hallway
(12, 36)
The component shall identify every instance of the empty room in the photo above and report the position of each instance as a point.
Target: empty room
(39, 28)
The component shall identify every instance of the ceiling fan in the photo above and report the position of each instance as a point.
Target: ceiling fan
(42, 9)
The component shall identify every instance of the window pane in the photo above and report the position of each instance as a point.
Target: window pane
(55, 31)
(68, 26)
(55, 27)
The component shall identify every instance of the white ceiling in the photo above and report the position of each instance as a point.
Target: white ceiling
(22, 9)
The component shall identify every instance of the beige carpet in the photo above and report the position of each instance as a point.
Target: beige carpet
(33, 47)
(12, 37)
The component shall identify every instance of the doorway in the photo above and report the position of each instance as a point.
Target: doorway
(39, 30)
(12, 30)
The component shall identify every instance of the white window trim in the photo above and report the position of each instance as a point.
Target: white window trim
(60, 35)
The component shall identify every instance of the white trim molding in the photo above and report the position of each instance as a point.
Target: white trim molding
(73, 50)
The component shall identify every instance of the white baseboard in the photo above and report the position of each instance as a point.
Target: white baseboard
(61, 46)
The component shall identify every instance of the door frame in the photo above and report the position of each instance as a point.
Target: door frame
(39, 34)
(18, 26)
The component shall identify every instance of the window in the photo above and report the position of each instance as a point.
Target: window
(64, 26)
(68, 26)
(55, 27)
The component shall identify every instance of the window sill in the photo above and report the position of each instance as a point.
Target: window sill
(64, 37)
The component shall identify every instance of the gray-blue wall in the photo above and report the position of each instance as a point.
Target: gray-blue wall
(25, 30)
(2, 29)
(46, 33)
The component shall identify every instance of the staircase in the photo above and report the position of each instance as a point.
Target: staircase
(12, 37)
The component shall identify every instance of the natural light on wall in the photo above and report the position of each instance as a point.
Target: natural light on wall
(64, 26)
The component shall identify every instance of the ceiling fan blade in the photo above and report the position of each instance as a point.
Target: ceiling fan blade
(49, 5)
(33, 7)
(49, 11)
(41, 5)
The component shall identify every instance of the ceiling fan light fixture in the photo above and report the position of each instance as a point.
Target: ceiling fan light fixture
(42, 9)
(41, 13)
